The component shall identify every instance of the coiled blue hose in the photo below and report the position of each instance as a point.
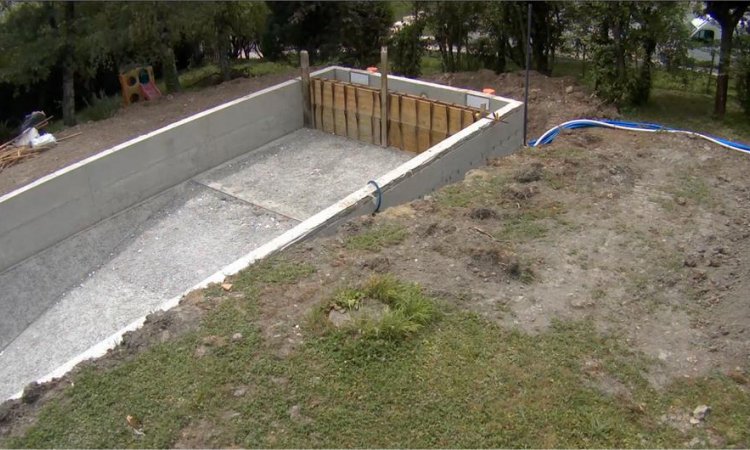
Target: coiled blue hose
(550, 134)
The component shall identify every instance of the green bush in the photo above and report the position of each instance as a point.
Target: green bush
(406, 50)
(742, 73)
(100, 107)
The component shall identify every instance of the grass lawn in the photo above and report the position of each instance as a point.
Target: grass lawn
(453, 380)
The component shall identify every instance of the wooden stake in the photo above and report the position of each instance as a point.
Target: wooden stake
(384, 96)
(306, 107)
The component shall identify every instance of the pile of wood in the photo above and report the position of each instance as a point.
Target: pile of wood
(11, 155)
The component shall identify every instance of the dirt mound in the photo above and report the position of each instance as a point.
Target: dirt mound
(551, 100)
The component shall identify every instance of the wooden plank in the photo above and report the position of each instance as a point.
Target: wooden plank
(364, 115)
(409, 124)
(306, 106)
(394, 121)
(424, 120)
(377, 139)
(454, 120)
(351, 112)
(439, 127)
(327, 110)
(468, 118)
(318, 103)
(384, 96)
(339, 109)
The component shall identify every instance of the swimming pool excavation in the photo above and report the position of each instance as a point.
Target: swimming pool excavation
(88, 251)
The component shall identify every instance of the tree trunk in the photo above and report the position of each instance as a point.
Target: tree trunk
(169, 66)
(722, 78)
(224, 65)
(68, 68)
(728, 14)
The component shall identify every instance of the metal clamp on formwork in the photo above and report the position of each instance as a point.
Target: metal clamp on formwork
(378, 197)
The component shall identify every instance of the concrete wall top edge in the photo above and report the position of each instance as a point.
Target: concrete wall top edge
(498, 98)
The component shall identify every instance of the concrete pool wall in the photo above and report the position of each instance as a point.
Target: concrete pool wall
(36, 217)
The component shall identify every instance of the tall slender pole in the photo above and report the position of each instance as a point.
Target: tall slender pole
(306, 101)
(526, 87)
(384, 96)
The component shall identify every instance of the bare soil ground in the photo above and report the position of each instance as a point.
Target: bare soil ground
(128, 123)
(644, 235)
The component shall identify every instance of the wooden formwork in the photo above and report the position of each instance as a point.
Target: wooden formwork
(414, 123)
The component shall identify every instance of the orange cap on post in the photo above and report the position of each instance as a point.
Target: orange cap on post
(489, 91)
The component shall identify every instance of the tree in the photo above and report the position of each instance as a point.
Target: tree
(662, 24)
(451, 23)
(38, 38)
(364, 29)
(234, 26)
(505, 23)
(624, 34)
(304, 25)
(406, 49)
(728, 15)
(742, 81)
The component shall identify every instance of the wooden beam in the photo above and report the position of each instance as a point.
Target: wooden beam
(328, 106)
(351, 112)
(364, 114)
(394, 121)
(317, 98)
(424, 120)
(439, 128)
(339, 109)
(384, 96)
(409, 124)
(306, 106)
(454, 120)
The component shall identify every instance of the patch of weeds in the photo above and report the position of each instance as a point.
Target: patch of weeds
(554, 180)
(259, 69)
(472, 193)
(491, 258)
(348, 299)
(274, 270)
(598, 294)
(99, 108)
(408, 309)
(527, 225)
(377, 237)
(382, 314)
(207, 75)
(571, 153)
(729, 402)
(693, 188)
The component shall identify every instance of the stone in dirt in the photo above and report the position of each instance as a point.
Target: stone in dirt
(482, 213)
(31, 393)
(699, 414)
(529, 173)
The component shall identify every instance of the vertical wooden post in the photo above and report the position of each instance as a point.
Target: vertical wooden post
(384, 96)
(306, 103)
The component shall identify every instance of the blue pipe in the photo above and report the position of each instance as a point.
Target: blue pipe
(552, 133)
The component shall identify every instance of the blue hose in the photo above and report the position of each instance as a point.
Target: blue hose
(552, 133)
(379, 192)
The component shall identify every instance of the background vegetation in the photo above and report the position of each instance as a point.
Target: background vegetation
(62, 57)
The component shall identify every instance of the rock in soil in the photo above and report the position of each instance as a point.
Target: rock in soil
(699, 414)
(529, 173)
(32, 392)
(482, 213)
